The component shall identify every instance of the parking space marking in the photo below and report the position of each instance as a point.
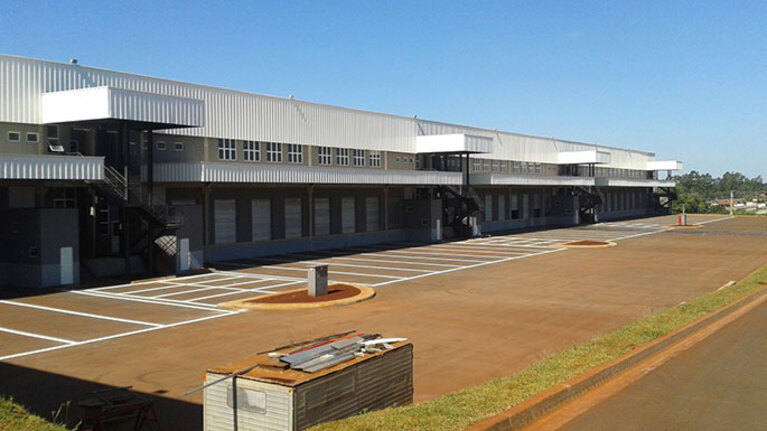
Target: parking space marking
(31, 335)
(78, 313)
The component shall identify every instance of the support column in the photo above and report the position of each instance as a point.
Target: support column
(386, 207)
(150, 165)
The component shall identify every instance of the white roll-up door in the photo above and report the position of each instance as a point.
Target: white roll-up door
(348, 215)
(293, 218)
(501, 207)
(488, 207)
(261, 219)
(225, 221)
(66, 262)
(371, 213)
(322, 216)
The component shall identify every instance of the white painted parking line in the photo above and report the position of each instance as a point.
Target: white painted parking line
(78, 313)
(184, 292)
(120, 335)
(556, 250)
(146, 300)
(32, 335)
(331, 264)
(714, 220)
(375, 258)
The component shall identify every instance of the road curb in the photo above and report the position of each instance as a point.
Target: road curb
(533, 408)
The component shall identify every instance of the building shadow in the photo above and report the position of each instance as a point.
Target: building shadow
(43, 393)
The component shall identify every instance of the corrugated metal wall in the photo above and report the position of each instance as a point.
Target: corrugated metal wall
(379, 382)
(219, 416)
(229, 114)
(18, 167)
(239, 115)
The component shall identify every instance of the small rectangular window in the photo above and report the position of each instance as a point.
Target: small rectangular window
(178, 146)
(325, 155)
(374, 158)
(14, 136)
(476, 164)
(359, 158)
(273, 152)
(53, 132)
(161, 146)
(227, 149)
(251, 151)
(295, 153)
(32, 137)
(342, 156)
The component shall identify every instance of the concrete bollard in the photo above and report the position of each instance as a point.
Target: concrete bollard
(318, 280)
(682, 219)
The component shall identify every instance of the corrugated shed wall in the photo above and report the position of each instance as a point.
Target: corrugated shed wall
(374, 384)
(21, 167)
(219, 416)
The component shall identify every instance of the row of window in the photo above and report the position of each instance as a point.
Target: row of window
(251, 152)
(32, 137)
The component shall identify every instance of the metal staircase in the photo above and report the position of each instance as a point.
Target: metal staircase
(588, 201)
(459, 205)
(153, 224)
(663, 198)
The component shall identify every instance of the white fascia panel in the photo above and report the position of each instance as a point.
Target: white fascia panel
(223, 172)
(583, 157)
(453, 143)
(76, 105)
(527, 180)
(99, 103)
(628, 182)
(664, 165)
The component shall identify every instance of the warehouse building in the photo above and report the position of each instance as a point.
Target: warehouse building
(106, 173)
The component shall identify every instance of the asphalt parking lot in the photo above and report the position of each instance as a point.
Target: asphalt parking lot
(513, 299)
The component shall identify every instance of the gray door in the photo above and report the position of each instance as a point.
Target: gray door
(348, 215)
(66, 265)
(225, 221)
(293, 219)
(261, 222)
(371, 213)
(322, 216)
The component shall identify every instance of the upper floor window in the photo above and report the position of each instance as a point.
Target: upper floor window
(485, 164)
(342, 156)
(32, 137)
(295, 153)
(273, 152)
(251, 151)
(476, 164)
(227, 149)
(178, 146)
(375, 159)
(496, 165)
(14, 136)
(359, 158)
(325, 155)
(504, 165)
(161, 146)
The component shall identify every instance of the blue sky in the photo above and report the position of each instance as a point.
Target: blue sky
(686, 80)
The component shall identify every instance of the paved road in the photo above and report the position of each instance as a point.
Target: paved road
(719, 384)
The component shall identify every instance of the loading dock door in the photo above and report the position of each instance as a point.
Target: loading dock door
(66, 265)
(293, 219)
(261, 223)
(348, 223)
(371, 213)
(183, 254)
(225, 221)
(322, 216)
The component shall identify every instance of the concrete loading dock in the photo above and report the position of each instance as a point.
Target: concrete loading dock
(535, 305)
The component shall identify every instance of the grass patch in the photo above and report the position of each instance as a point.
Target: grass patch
(14, 417)
(461, 409)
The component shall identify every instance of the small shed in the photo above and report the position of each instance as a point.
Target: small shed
(272, 396)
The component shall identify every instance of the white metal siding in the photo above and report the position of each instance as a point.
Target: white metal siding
(219, 416)
(225, 221)
(223, 172)
(261, 222)
(371, 213)
(293, 218)
(228, 114)
(348, 215)
(18, 167)
(322, 216)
